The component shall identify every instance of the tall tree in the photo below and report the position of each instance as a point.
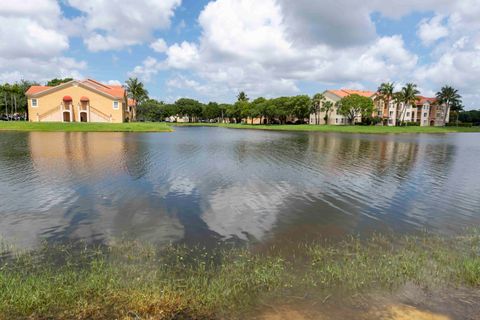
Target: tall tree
(316, 106)
(449, 97)
(242, 96)
(386, 94)
(327, 107)
(137, 92)
(355, 105)
(300, 107)
(409, 97)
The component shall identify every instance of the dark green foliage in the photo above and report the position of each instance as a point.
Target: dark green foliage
(57, 81)
(355, 105)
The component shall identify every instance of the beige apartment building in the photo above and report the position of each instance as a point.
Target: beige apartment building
(335, 96)
(425, 112)
(79, 101)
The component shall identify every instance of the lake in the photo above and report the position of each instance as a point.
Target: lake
(208, 185)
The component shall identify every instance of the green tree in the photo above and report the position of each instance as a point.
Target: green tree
(137, 92)
(327, 107)
(58, 81)
(151, 110)
(386, 94)
(211, 111)
(300, 107)
(449, 97)
(242, 96)
(408, 96)
(316, 105)
(355, 105)
(235, 111)
(190, 108)
(259, 108)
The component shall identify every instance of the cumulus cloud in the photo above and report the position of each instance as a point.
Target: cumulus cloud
(116, 24)
(431, 30)
(248, 45)
(33, 42)
(159, 45)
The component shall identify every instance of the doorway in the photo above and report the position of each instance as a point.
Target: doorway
(83, 117)
(66, 117)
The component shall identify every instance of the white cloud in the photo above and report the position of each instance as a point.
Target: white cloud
(33, 41)
(116, 24)
(432, 30)
(159, 45)
(149, 68)
(248, 45)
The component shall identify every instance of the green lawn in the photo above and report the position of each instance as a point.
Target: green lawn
(84, 127)
(165, 127)
(346, 129)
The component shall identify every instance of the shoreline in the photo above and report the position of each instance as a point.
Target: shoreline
(337, 129)
(170, 127)
(128, 278)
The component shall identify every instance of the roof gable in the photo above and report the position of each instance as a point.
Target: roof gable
(342, 93)
(112, 91)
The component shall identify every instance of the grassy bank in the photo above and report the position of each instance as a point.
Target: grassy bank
(344, 129)
(131, 280)
(84, 127)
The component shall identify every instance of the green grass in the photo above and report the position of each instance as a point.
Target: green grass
(133, 280)
(343, 129)
(84, 127)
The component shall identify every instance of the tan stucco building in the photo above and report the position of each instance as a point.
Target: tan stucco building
(79, 101)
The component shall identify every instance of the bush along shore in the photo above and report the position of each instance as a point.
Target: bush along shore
(132, 280)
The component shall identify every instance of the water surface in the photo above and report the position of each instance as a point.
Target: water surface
(205, 185)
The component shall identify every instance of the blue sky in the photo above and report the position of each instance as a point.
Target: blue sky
(211, 50)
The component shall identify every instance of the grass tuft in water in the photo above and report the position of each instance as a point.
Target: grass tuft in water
(132, 280)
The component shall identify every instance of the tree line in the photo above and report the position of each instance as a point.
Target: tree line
(279, 110)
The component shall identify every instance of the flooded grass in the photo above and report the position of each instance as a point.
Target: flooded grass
(131, 280)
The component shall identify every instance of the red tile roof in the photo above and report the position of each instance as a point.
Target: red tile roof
(422, 100)
(346, 92)
(36, 89)
(113, 90)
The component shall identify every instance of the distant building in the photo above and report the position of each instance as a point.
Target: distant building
(335, 96)
(426, 111)
(79, 101)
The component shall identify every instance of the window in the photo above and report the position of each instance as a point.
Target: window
(34, 103)
(425, 114)
(336, 120)
(115, 104)
(391, 113)
(408, 114)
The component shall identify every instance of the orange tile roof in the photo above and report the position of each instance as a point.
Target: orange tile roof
(131, 102)
(113, 90)
(36, 89)
(346, 92)
(422, 100)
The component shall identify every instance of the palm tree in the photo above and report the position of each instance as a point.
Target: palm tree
(316, 106)
(386, 91)
(327, 106)
(449, 97)
(242, 96)
(408, 96)
(137, 92)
